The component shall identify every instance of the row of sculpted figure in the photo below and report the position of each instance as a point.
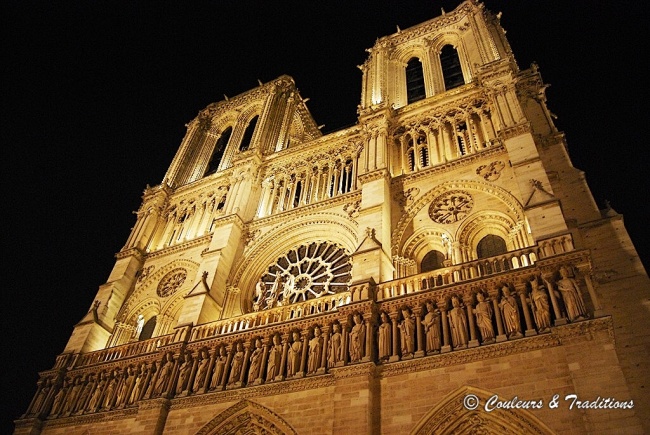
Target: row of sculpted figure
(404, 333)
(465, 321)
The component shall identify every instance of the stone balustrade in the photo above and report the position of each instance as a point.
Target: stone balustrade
(313, 337)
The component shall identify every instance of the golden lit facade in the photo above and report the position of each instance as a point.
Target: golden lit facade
(372, 280)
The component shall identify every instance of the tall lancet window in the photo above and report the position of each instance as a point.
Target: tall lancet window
(248, 135)
(217, 153)
(414, 81)
(451, 71)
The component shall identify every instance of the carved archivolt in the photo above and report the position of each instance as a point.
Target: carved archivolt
(452, 416)
(247, 417)
(335, 228)
(147, 289)
(511, 204)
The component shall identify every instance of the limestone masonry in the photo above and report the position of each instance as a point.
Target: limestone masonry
(439, 267)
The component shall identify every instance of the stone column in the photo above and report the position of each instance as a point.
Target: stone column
(494, 296)
(393, 318)
(520, 287)
(304, 334)
(585, 271)
(442, 306)
(283, 363)
(370, 339)
(323, 363)
(467, 300)
(419, 351)
(559, 319)
(344, 333)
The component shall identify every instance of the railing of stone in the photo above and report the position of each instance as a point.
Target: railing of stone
(272, 316)
(124, 351)
(471, 270)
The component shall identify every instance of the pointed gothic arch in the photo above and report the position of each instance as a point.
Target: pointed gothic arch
(451, 416)
(249, 418)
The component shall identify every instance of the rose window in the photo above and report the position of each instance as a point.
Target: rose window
(306, 272)
(171, 282)
(451, 207)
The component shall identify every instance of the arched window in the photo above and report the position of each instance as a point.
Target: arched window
(491, 245)
(217, 153)
(432, 261)
(414, 81)
(147, 329)
(451, 71)
(248, 134)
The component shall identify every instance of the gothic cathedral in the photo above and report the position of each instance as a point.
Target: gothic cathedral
(438, 267)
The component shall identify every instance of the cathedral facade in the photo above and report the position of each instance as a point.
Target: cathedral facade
(438, 267)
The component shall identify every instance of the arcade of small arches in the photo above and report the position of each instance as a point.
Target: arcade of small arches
(445, 137)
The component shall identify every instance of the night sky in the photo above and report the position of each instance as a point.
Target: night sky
(96, 95)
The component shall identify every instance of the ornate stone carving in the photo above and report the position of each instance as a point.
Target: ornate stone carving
(171, 282)
(305, 272)
(352, 209)
(492, 171)
(451, 207)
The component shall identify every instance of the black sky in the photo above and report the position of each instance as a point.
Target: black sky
(95, 96)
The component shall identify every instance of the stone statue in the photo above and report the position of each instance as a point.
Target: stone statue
(540, 306)
(123, 388)
(293, 358)
(510, 313)
(93, 403)
(484, 313)
(385, 337)
(458, 324)
(272, 299)
(570, 291)
(184, 373)
(275, 359)
(139, 384)
(110, 390)
(85, 393)
(260, 290)
(219, 368)
(201, 371)
(334, 353)
(39, 402)
(357, 338)
(139, 324)
(431, 323)
(59, 398)
(315, 349)
(237, 364)
(407, 334)
(256, 362)
(289, 285)
(71, 399)
(164, 375)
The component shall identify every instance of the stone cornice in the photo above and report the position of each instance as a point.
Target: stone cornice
(270, 389)
(131, 252)
(95, 418)
(445, 20)
(449, 166)
(322, 205)
(181, 247)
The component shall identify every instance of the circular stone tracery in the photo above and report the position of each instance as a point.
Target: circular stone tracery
(305, 272)
(451, 207)
(171, 282)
